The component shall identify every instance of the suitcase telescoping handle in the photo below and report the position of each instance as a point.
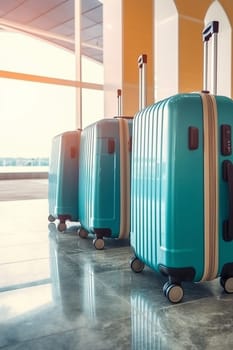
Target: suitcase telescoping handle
(142, 62)
(119, 106)
(210, 31)
(228, 224)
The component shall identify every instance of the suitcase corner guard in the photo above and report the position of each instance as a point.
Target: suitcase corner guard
(182, 274)
(102, 232)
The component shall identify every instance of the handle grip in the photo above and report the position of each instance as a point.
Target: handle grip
(119, 102)
(228, 224)
(142, 63)
(141, 60)
(209, 30)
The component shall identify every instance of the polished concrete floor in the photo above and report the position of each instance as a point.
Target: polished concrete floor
(58, 292)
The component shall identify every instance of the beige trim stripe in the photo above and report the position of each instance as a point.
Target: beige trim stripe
(211, 187)
(49, 80)
(124, 179)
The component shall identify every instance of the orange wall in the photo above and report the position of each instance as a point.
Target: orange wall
(195, 9)
(137, 39)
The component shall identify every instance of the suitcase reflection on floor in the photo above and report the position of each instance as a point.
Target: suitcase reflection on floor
(147, 332)
(191, 325)
(67, 276)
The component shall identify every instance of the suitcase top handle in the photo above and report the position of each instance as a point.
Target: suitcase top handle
(209, 30)
(142, 59)
(119, 102)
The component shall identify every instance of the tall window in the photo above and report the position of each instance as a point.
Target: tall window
(32, 112)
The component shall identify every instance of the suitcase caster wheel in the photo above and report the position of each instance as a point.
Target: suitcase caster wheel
(174, 293)
(61, 227)
(136, 265)
(51, 218)
(227, 284)
(98, 243)
(82, 233)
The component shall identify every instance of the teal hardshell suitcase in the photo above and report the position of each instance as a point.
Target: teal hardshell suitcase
(104, 182)
(63, 178)
(182, 190)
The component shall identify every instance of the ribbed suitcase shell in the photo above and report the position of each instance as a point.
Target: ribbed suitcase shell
(100, 180)
(167, 186)
(63, 176)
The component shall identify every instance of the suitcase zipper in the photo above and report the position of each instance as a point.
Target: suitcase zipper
(211, 200)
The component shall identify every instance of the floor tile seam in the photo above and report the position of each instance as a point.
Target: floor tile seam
(28, 341)
(91, 272)
(82, 253)
(24, 244)
(23, 261)
(92, 253)
(100, 280)
(25, 285)
(65, 250)
(114, 292)
(59, 333)
(69, 257)
(66, 257)
(23, 199)
(105, 250)
(172, 306)
(184, 303)
(123, 269)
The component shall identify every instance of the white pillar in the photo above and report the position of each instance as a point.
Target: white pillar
(78, 63)
(112, 39)
(166, 54)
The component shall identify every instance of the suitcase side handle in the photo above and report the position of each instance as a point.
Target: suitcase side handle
(73, 152)
(228, 224)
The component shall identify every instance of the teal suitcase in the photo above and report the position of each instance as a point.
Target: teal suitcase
(104, 182)
(182, 190)
(63, 178)
(182, 186)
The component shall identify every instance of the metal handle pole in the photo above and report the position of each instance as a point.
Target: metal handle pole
(142, 61)
(119, 103)
(205, 67)
(215, 62)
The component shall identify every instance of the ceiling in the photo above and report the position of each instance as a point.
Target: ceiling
(53, 20)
